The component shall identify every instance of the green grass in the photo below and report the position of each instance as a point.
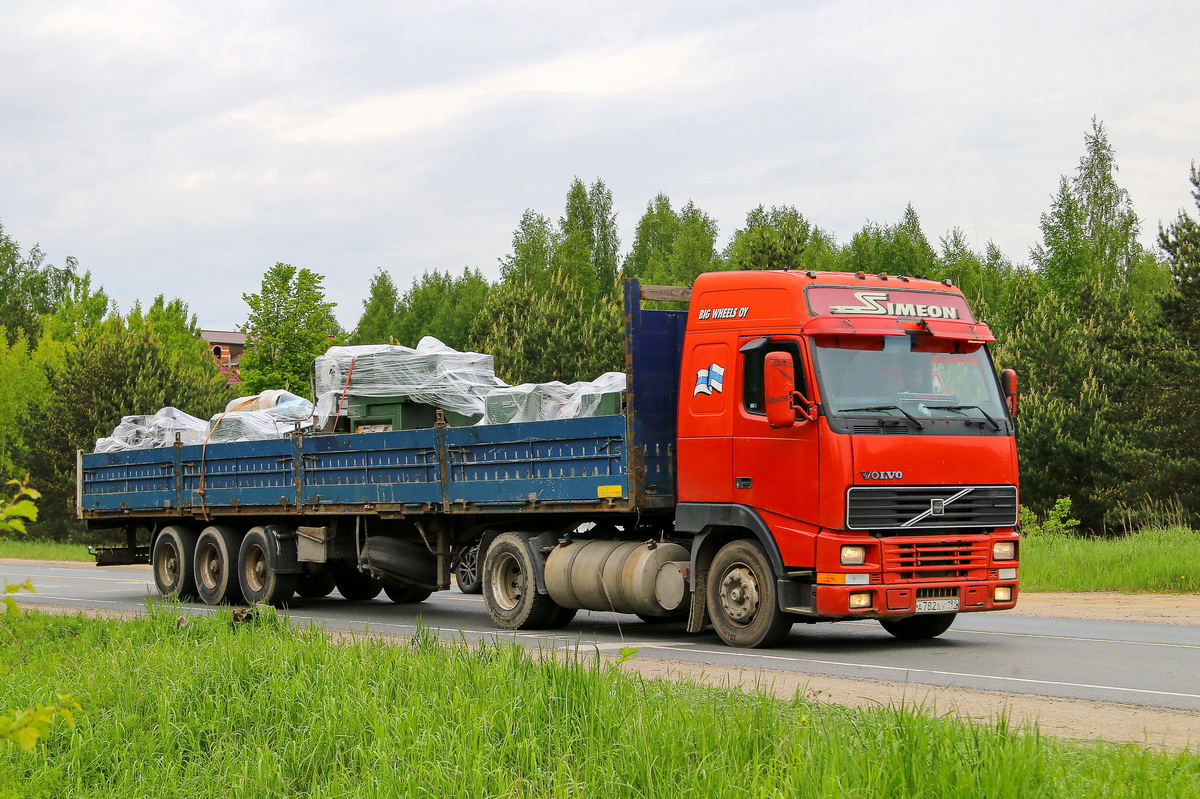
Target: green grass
(35, 549)
(1152, 561)
(263, 709)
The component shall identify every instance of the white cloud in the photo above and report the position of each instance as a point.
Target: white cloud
(655, 66)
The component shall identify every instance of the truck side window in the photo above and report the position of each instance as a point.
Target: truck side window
(753, 391)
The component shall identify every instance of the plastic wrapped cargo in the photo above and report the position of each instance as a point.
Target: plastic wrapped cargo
(159, 430)
(539, 402)
(266, 400)
(274, 422)
(433, 373)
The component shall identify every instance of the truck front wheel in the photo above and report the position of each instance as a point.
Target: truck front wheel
(174, 563)
(509, 590)
(914, 628)
(742, 602)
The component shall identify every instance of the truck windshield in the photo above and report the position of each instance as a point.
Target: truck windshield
(910, 376)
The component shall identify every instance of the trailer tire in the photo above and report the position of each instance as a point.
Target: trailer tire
(466, 574)
(174, 563)
(217, 566)
(916, 628)
(509, 591)
(316, 584)
(357, 586)
(406, 594)
(742, 603)
(401, 561)
(258, 570)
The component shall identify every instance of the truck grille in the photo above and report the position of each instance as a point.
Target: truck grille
(926, 507)
(935, 560)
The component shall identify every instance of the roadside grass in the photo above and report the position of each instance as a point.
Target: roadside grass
(35, 549)
(267, 709)
(1164, 561)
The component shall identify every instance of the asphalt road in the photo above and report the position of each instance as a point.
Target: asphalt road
(1152, 665)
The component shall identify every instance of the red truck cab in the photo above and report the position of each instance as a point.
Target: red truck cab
(854, 424)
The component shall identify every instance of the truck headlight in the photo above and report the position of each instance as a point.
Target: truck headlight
(860, 600)
(1004, 550)
(854, 555)
(1003, 593)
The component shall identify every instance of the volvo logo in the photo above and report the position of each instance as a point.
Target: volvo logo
(882, 475)
(937, 507)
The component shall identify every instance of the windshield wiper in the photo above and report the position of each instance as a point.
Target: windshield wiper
(961, 408)
(920, 425)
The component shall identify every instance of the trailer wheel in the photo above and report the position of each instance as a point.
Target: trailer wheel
(467, 572)
(915, 628)
(509, 591)
(357, 586)
(174, 560)
(406, 594)
(312, 585)
(216, 566)
(741, 597)
(258, 571)
(401, 561)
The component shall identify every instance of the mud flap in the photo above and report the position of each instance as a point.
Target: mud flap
(698, 612)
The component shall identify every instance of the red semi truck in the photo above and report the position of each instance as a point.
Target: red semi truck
(795, 446)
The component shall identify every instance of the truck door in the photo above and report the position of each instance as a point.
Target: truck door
(774, 471)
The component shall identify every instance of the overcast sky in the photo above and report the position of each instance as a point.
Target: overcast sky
(183, 148)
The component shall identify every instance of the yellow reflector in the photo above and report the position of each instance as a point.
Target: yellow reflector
(828, 578)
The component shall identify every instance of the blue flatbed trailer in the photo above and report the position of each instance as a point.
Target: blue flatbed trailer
(618, 463)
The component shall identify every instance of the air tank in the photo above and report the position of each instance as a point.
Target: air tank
(648, 578)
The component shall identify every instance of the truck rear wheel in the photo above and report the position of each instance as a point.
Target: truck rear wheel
(216, 566)
(357, 586)
(467, 573)
(174, 560)
(316, 583)
(258, 570)
(741, 597)
(406, 594)
(509, 590)
(914, 628)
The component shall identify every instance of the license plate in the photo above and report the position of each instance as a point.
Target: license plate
(937, 605)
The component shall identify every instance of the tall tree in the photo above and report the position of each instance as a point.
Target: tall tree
(1088, 339)
(290, 324)
(29, 288)
(109, 371)
(653, 241)
(378, 319)
(774, 239)
(900, 249)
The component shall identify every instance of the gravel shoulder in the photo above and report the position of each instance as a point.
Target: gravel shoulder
(1156, 728)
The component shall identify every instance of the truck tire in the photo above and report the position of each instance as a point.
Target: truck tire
(915, 628)
(401, 561)
(357, 586)
(312, 585)
(216, 566)
(258, 570)
(509, 591)
(466, 574)
(406, 594)
(174, 560)
(741, 597)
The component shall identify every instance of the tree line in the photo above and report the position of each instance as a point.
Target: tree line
(1102, 330)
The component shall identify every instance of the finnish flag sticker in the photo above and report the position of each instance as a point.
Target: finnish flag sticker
(709, 380)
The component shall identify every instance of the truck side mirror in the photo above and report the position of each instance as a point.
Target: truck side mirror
(779, 380)
(1008, 384)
